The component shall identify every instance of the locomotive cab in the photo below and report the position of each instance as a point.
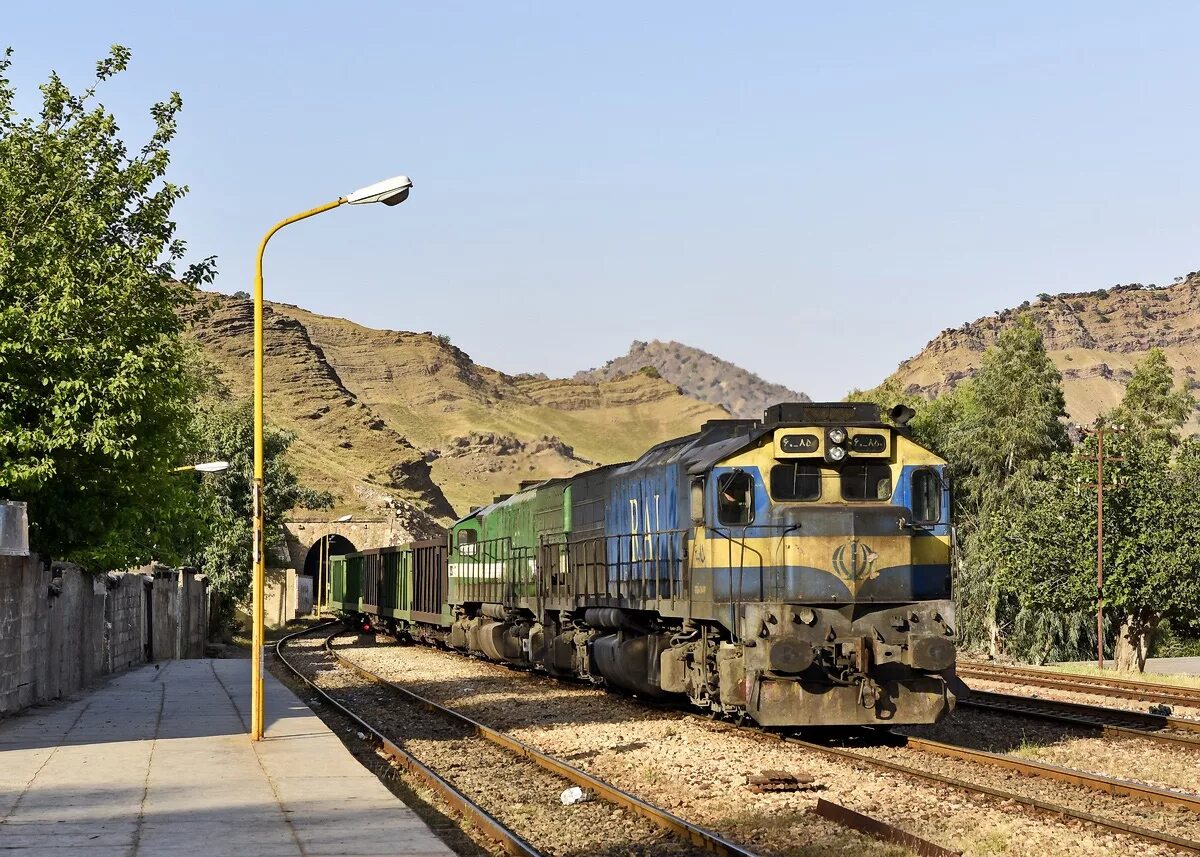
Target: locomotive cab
(824, 544)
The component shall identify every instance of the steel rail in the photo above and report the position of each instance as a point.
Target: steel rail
(705, 839)
(1115, 825)
(1072, 776)
(1151, 727)
(847, 817)
(1098, 685)
(477, 815)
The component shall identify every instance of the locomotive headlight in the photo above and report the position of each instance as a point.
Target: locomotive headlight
(836, 453)
(837, 435)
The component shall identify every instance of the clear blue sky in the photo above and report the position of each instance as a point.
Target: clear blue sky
(809, 191)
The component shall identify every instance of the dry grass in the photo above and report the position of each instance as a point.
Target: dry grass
(1154, 678)
(362, 401)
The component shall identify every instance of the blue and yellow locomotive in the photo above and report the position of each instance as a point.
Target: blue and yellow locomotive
(793, 570)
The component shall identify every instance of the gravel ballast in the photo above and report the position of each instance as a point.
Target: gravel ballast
(522, 796)
(1142, 761)
(699, 770)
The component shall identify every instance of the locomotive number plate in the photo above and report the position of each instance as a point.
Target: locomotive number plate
(799, 444)
(869, 443)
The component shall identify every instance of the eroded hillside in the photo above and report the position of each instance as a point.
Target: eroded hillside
(408, 419)
(700, 374)
(1094, 338)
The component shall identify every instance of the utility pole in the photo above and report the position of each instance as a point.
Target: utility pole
(1100, 431)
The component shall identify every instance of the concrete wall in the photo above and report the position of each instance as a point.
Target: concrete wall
(280, 599)
(279, 596)
(61, 629)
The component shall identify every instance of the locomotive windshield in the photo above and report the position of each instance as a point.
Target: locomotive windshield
(866, 482)
(794, 480)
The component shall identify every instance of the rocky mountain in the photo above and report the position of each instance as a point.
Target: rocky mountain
(1094, 338)
(700, 375)
(408, 422)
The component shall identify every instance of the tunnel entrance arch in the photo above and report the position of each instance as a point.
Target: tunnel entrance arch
(316, 563)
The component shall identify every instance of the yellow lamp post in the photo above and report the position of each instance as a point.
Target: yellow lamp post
(390, 192)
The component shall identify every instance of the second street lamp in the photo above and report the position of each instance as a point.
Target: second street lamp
(390, 192)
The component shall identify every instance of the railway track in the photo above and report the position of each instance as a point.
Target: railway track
(1058, 773)
(694, 838)
(485, 822)
(704, 839)
(1100, 685)
(1095, 782)
(1113, 786)
(1041, 770)
(1112, 722)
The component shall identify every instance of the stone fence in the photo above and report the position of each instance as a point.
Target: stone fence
(61, 629)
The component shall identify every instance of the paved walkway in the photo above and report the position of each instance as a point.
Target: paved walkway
(1173, 666)
(157, 763)
(1163, 666)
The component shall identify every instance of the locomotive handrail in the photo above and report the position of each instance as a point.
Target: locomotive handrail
(735, 603)
(497, 554)
(665, 558)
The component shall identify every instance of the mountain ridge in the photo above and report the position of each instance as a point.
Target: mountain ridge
(696, 372)
(407, 422)
(1094, 339)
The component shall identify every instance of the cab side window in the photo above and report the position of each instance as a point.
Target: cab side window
(735, 498)
(926, 497)
(467, 540)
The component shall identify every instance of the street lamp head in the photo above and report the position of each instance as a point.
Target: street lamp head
(391, 191)
(206, 467)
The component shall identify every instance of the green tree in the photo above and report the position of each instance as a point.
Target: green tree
(1012, 414)
(1153, 408)
(1045, 562)
(1152, 548)
(95, 390)
(1152, 542)
(1008, 424)
(1152, 529)
(225, 432)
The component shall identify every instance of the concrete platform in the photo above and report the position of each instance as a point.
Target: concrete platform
(1163, 666)
(158, 762)
(1173, 666)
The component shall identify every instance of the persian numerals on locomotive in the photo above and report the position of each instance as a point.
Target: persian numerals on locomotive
(799, 443)
(868, 443)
